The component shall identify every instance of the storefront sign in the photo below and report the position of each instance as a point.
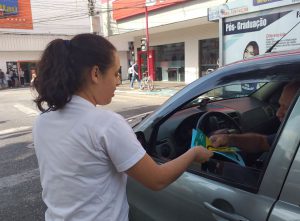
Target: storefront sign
(8, 8)
(213, 14)
(234, 11)
(16, 14)
(239, 7)
(255, 35)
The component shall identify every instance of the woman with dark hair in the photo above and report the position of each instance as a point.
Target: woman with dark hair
(251, 50)
(83, 157)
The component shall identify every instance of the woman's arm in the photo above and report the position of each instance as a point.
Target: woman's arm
(157, 177)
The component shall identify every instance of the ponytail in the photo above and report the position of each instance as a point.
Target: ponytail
(61, 70)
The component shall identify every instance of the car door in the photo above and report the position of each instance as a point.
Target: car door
(287, 207)
(230, 192)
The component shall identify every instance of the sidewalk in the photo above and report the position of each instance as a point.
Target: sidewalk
(160, 88)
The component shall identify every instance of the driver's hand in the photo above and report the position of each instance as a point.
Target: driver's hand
(219, 140)
(202, 154)
(220, 131)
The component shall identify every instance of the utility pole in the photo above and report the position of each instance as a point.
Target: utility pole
(94, 19)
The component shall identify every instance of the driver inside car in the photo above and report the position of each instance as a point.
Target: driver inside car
(254, 142)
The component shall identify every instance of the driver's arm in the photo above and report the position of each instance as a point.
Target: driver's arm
(249, 142)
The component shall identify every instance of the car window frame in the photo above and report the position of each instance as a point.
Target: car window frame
(277, 168)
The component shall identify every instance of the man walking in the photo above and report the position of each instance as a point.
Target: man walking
(130, 73)
(22, 77)
(135, 75)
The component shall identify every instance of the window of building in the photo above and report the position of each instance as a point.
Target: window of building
(169, 62)
(208, 55)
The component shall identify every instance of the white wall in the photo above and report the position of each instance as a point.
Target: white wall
(123, 63)
(23, 47)
(58, 17)
(17, 56)
(13, 42)
(185, 22)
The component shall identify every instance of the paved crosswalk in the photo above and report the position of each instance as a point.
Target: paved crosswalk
(14, 130)
(26, 110)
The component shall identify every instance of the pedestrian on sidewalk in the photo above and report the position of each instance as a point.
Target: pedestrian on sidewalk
(13, 77)
(22, 77)
(2, 79)
(85, 152)
(130, 71)
(135, 76)
(33, 76)
(8, 79)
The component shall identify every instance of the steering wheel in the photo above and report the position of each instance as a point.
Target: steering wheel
(212, 121)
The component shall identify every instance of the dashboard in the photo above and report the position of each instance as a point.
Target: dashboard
(250, 114)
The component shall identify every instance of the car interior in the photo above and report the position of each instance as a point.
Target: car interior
(225, 108)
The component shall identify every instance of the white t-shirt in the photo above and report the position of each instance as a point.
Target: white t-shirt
(82, 153)
(130, 71)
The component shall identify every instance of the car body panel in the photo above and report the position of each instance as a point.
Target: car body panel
(288, 205)
(183, 200)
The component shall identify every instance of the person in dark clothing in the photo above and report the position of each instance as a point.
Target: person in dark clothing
(2, 78)
(26, 76)
(254, 142)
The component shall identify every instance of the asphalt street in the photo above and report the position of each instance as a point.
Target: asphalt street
(20, 190)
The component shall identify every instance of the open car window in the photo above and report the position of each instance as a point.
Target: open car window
(174, 136)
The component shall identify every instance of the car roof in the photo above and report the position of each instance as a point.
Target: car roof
(283, 65)
(269, 55)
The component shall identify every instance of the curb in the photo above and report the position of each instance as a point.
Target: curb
(160, 92)
(160, 88)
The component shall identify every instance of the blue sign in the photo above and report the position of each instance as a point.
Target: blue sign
(9, 7)
(261, 2)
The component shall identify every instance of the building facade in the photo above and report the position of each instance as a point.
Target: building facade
(183, 43)
(187, 39)
(190, 38)
(27, 26)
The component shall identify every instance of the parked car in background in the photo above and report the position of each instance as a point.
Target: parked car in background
(267, 188)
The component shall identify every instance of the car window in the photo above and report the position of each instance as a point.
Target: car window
(227, 92)
(174, 137)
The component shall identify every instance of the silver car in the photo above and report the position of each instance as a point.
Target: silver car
(267, 187)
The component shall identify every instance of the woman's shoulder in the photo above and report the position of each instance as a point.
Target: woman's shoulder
(105, 115)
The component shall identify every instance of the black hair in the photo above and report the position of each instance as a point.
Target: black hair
(63, 66)
(255, 47)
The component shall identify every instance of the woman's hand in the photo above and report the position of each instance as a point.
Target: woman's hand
(202, 154)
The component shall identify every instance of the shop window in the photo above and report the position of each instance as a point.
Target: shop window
(169, 62)
(209, 56)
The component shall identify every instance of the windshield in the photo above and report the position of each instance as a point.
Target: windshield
(226, 92)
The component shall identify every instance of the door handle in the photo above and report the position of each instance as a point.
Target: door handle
(223, 214)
